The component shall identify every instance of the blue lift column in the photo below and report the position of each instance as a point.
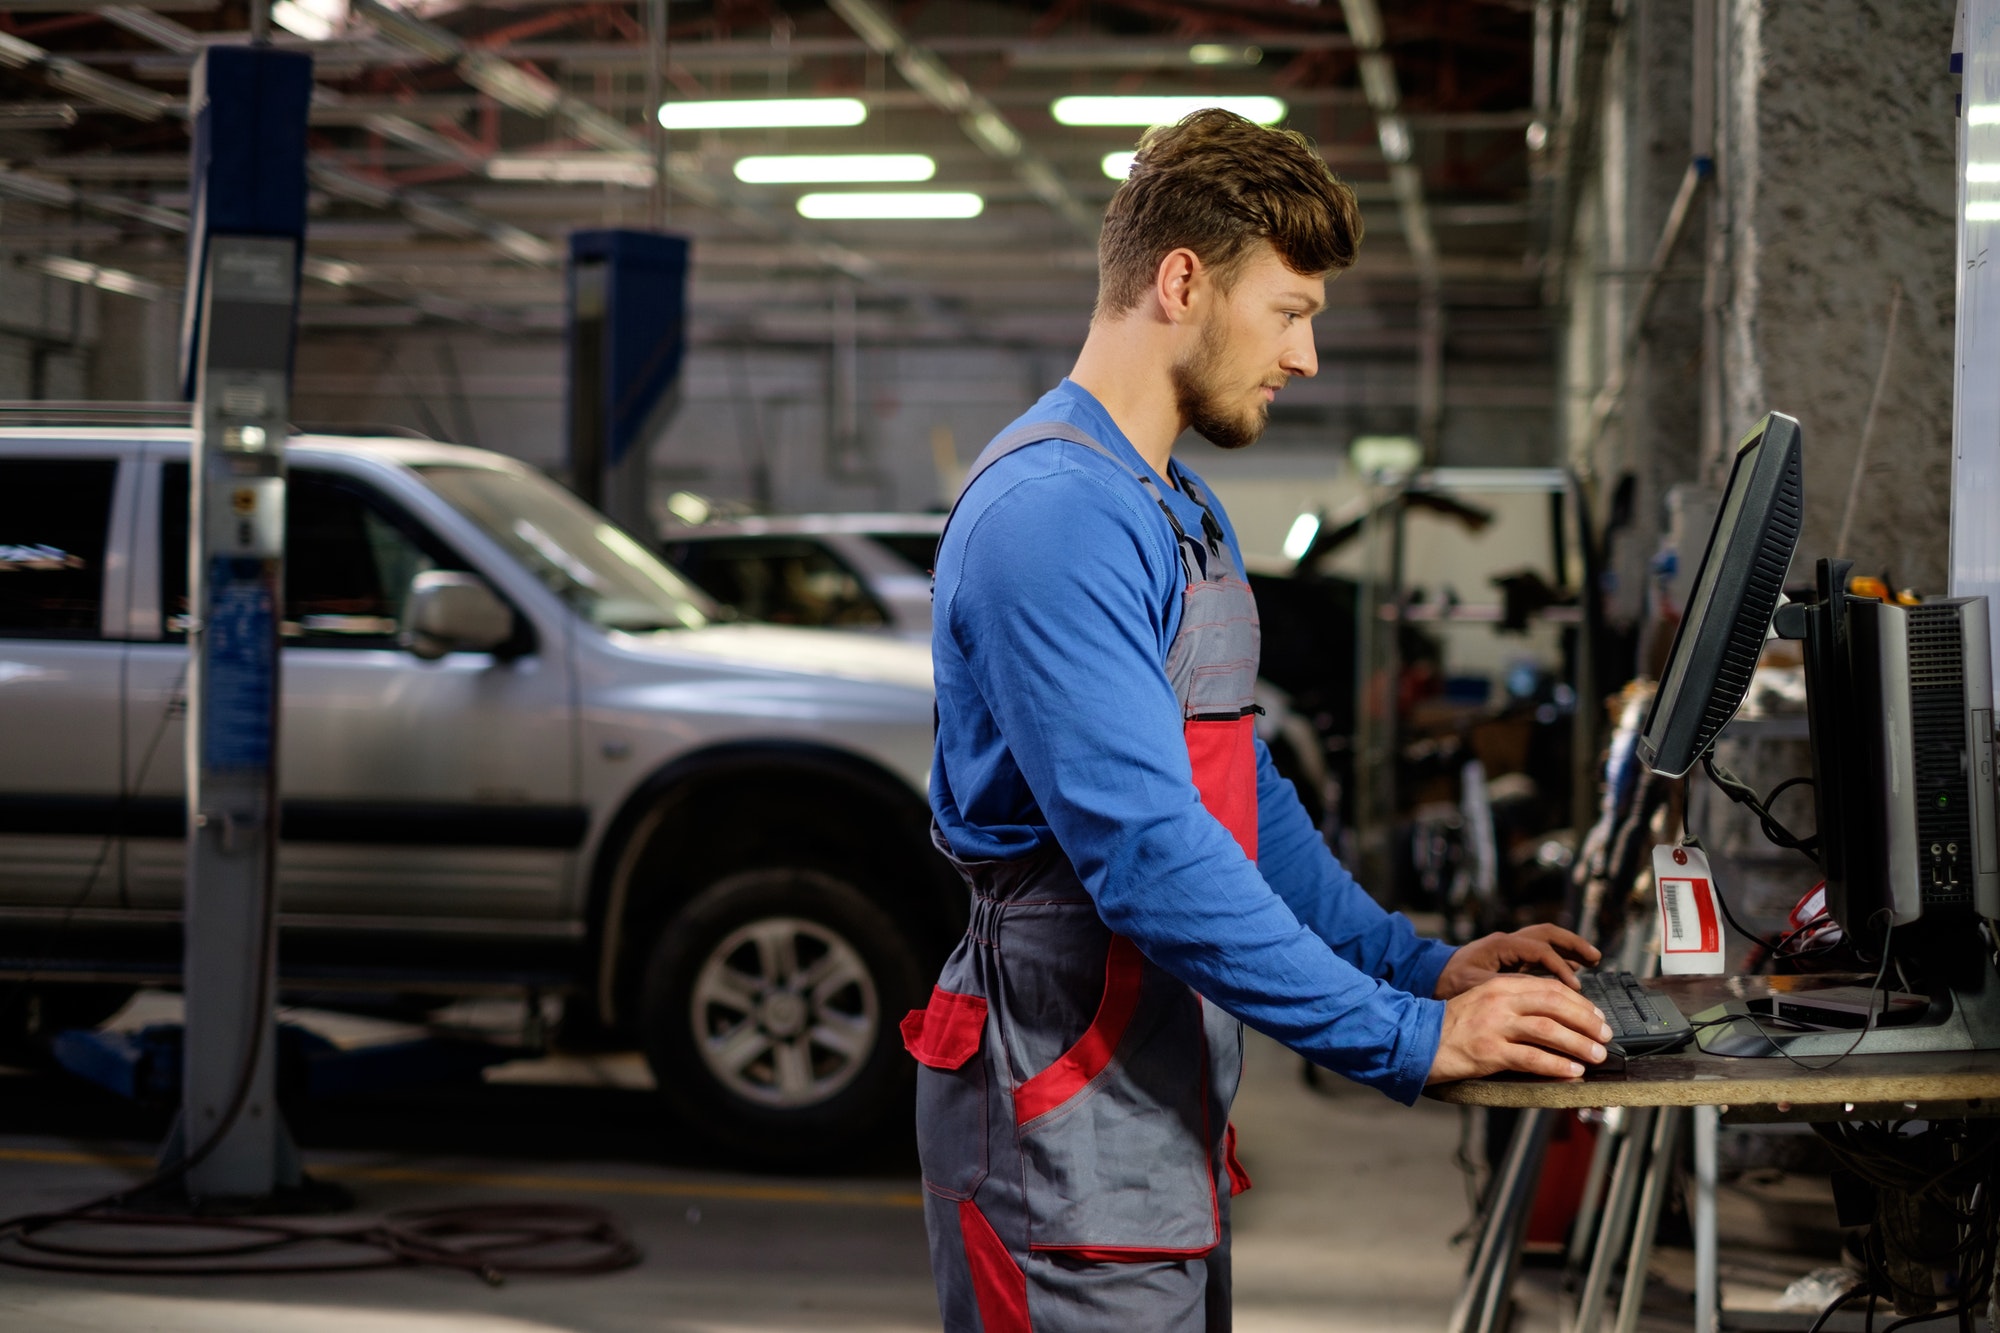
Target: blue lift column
(248, 227)
(627, 333)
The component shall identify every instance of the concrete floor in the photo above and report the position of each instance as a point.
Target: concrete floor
(1348, 1228)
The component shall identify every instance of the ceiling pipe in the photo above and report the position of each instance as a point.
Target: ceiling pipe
(1392, 132)
(981, 120)
(534, 94)
(1586, 37)
(426, 211)
(80, 80)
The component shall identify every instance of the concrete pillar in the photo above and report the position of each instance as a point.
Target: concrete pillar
(1650, 439)
(1662, 404)
(1838, 159)
(1834, 189)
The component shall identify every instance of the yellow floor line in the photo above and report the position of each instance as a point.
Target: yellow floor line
(53, 1158)
(658, 1189)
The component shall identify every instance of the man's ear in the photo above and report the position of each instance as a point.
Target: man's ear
(1178, 285)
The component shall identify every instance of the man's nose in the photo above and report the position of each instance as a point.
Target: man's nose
(1301, 357)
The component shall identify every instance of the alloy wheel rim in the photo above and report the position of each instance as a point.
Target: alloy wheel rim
(784, 1012)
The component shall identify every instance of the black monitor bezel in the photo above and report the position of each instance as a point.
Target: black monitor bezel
(1749, 563)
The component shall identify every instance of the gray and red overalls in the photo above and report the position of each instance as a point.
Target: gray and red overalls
(1073, 1101)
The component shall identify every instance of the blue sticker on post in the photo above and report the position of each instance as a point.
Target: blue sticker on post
(242, 664)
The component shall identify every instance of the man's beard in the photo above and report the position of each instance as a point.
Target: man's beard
(1200, 400)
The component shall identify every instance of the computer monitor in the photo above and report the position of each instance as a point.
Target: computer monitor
(1736, 591)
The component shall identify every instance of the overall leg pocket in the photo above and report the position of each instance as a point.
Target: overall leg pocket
(1114, 1137)
(945, 1037)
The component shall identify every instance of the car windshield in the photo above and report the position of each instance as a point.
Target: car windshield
(580, 555)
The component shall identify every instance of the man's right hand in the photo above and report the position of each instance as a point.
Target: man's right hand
(1535, 1025)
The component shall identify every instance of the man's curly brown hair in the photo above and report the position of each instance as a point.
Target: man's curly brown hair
(1217, 184)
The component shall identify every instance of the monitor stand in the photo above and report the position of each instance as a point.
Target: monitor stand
(1959, 1019)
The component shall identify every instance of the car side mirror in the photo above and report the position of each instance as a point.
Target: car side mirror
(448, 611)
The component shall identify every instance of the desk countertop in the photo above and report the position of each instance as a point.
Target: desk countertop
(1860, 1087)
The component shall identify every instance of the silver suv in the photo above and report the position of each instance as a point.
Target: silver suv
(518, 753)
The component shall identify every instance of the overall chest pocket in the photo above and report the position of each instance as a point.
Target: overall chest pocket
(952, 1114)
(1115, 1137)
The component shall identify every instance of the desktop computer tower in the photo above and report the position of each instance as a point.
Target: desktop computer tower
(1914, 833)
(1900, 701)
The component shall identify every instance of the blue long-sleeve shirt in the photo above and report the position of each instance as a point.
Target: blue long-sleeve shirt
(1058, 593)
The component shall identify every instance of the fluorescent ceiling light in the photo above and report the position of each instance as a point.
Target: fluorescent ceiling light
(605, 168)
(1159, 110)
(1300, 539)
(1394, 136)
(819, 168)
(314, 20)
(995, 134)
(901, 204)
(1130, 55)
(1209, 53)
(767, 113)
(1982, 212)
(96, 275)
(1119, 165)
(333, 272)
(1983, 115)
(1982, 172)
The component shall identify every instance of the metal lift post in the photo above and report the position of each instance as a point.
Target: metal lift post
(249, 107)
(627, 333)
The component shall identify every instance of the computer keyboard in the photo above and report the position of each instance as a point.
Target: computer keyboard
(1643, 1022)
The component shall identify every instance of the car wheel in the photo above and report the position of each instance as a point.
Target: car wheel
(769, 1014)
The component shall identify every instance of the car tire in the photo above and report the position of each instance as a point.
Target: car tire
(769, 1014)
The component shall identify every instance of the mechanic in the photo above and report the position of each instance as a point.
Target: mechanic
(1143, 881)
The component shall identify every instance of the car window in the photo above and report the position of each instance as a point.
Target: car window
(577, 553)
(783, 580)
(919, 548)
(349, 557)
(55, 521)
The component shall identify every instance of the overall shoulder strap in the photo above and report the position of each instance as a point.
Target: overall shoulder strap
(1211, 526)
(1033, 432)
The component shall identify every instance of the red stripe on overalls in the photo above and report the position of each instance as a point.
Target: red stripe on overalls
(998, 1286)
(1093, 1050)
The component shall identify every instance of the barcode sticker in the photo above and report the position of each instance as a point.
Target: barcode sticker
(1688, 920)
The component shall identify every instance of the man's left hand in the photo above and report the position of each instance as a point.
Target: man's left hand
(1550, 948)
